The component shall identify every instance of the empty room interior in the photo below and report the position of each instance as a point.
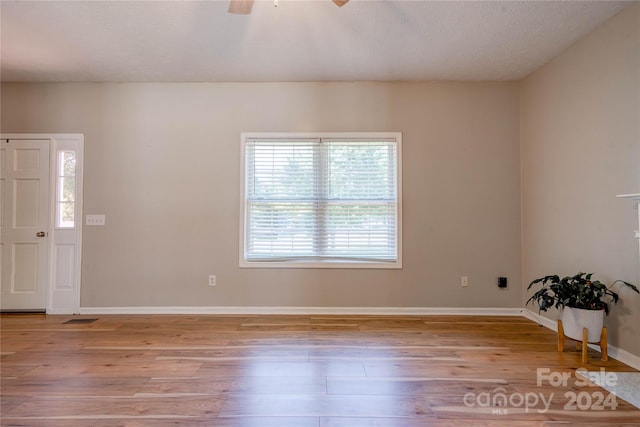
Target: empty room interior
(320, 213)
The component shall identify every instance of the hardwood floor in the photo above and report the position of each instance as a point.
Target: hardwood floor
(296, 371)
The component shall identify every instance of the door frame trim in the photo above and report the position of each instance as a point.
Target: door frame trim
(64, 276)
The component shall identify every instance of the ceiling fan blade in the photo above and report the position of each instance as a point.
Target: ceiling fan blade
(340, 3)
(240, 7)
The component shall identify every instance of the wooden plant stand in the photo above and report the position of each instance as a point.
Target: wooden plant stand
(583, 345)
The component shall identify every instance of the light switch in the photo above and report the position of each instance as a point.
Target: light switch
(95, 220)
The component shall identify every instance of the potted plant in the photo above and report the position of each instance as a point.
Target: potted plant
(584, 301)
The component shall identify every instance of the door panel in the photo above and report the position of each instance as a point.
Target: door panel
(26, 195)
(25, 223)
(24, 261)
(26, 159)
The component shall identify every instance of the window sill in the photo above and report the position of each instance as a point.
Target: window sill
(323, 264)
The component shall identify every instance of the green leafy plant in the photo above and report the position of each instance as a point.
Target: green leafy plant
(579, 291)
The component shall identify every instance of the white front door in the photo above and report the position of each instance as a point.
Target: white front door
(24, 224)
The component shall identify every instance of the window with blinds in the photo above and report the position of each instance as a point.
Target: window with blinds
(321, 200)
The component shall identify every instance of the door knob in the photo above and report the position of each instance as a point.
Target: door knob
(41, 234)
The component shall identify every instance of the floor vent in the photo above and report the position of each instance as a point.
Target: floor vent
(78, 321)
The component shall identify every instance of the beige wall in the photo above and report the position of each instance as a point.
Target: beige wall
(581, 147)
(162, 162)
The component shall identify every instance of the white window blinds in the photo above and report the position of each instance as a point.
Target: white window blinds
(321, 199)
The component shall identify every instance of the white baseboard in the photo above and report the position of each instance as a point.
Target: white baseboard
(541, 320)
(363, 311)
(613, 351)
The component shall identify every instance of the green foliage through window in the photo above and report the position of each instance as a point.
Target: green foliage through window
(66, 188)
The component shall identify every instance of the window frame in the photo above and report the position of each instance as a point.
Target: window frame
(326, 263)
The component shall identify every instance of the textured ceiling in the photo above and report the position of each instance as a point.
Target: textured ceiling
(297, 41)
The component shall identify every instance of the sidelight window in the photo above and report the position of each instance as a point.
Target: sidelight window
(66, 189)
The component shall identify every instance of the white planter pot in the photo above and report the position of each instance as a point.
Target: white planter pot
(575, 319)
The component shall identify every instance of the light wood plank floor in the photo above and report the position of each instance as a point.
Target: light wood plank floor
(296, 371)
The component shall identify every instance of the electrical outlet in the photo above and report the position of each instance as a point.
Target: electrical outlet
(464, 281)
(212, 280)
